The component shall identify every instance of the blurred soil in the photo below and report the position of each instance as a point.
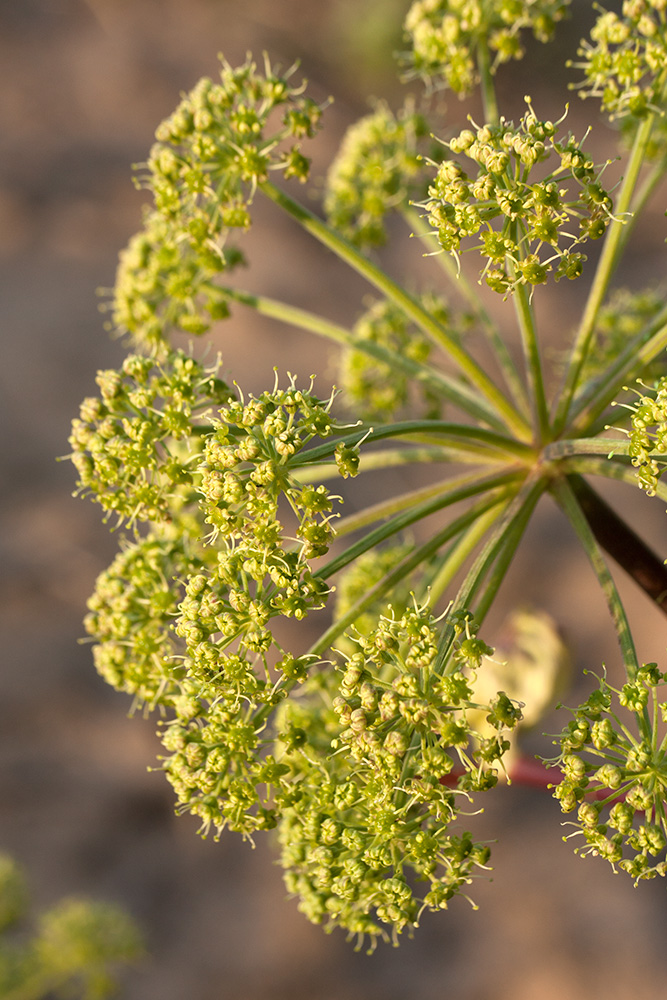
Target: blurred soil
(83, 84)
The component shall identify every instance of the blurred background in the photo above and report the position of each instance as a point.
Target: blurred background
(83, 84)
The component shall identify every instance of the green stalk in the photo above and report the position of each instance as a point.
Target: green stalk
(412, 515)
(459, 553)
(387, 508)
(526, 318)
(609, 258)
(459, 281)
(503, 560)
(456, 391)
(451, 433)
(494, 567)
(642, 349)
(517, 514)
(377, 277)
(585, 446)
(395, 457)
(403, 569)
(488, 90)
(508, 531)
(566, 498)
(619, 471)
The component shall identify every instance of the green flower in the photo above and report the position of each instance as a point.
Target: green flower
(210, 155)
(370, 812)
(136, 446)
(372, 388)
(614, 765)
(373, 173)
(648, 435)
(525, 226)
(624, 61)
(445, 36)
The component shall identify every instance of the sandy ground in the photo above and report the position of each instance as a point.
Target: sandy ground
(82, 86)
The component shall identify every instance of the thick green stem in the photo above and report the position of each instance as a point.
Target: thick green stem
(420, 316)
(609, 258)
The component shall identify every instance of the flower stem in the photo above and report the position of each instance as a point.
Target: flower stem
(488, 89)
(456, 391)
(505, 536)
(615, 469)
(394, 457)
(459, 552)
(450, 434)
(526, 318)
(591, 404)
(585, 446)
(447, 497)
(404, 567)
(387, 508)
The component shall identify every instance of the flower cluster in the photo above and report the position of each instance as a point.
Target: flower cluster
(151, 645)
(373, 172)
(538, 223)
(373, 388)
(648, 436)
(131, 612)
(615, 774)
(203, 170)
(136, 444)
(183, 623)
(383, 772)
(242, 488)
(445, 35)
(76, 948)
(217, 762)
(624, 61)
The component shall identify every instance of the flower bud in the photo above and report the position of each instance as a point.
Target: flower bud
(609, 776)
